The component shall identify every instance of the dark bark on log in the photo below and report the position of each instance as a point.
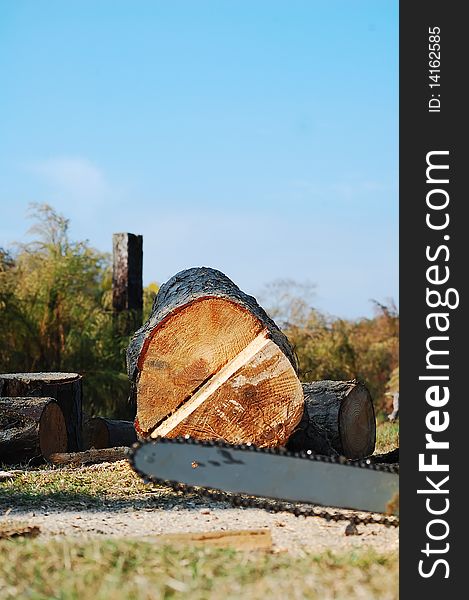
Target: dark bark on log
(30, 428)
(99, 432)
(190, 285)
(89, 456)
(338, 419)
(210, 363)
(66, 388)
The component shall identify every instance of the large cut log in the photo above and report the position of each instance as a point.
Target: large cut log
(99, 432)
(66, 388)
(210, 363)
(30, 428)
(338, 418)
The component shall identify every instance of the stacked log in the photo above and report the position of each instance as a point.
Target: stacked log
(210, 363)
(338, 419)
(65, 388)
(100, 432)
(30, 428)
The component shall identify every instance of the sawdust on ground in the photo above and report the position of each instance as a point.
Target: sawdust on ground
(288, 532)
(197, 514)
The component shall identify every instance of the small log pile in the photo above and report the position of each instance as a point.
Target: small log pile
(65, 388)
(209, 363)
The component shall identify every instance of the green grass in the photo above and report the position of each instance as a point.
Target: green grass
(95, 569)
(122, 570)
(387, 437)
(113, 485)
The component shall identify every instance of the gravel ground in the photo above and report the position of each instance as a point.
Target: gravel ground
(290, 533)
(132, 510)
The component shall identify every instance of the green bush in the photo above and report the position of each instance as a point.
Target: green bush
(55, 313)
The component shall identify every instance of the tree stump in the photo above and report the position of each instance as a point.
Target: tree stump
(99, 432)
(66, 388)
(210, 363)
(338, 419)
(30, 428)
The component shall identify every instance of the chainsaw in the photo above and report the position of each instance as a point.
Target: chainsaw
(294, 482)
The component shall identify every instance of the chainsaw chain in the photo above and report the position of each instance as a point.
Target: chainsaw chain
(271, 505)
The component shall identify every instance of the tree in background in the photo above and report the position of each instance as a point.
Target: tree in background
(56, 313)
(377, 346)
(393, 382)
(149, 295)
(332, 348)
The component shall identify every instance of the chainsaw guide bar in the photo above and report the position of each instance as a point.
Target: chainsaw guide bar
(286, 478)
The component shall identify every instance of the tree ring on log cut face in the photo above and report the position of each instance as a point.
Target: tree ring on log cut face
(185, 356)
(357, 423)
(338, 419)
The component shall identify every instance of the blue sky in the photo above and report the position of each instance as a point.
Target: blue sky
(257, 137)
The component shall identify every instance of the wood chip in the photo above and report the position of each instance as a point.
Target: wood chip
(11, 529)
(6, 475)
(250, 539)
(89, 456)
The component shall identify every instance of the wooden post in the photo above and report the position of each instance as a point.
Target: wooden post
(127, 287)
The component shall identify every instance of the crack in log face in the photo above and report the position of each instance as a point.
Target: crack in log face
(177, 409)
(212, 385)
(223, 377)
(195, 342)
(257, 413)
